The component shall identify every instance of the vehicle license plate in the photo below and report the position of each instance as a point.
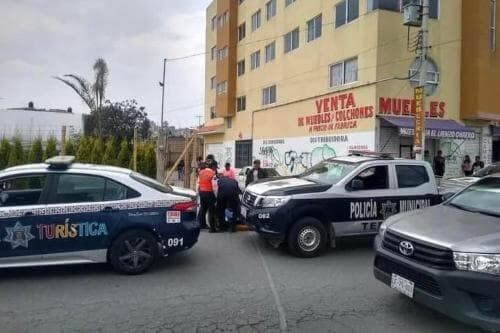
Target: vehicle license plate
(402, 285)
(244, 211)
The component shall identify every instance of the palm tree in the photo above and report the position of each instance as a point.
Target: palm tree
(92, 94)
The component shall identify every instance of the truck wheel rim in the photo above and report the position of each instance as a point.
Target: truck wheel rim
(309, 239)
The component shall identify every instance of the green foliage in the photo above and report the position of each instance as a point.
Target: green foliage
(148, 160)
(35, 154)
(97, 151)
(109, 157)
(84, 152)
(125, 155)
(69, 148)
(16, 154)
(51, 148)
(5, 148)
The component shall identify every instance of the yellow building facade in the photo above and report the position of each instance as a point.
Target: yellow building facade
(293, 82)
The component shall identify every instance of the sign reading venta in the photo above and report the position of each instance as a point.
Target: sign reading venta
(419, 117)
(336, 112)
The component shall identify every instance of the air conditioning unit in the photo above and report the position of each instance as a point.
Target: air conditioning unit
(412, 13)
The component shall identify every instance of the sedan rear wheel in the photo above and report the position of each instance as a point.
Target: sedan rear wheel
(133, 252)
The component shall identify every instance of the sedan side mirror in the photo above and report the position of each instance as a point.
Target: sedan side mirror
(4, 197)
(356, 185)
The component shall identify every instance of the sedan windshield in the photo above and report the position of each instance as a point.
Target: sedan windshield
(482, 197)
(328, 172)
(150, 182)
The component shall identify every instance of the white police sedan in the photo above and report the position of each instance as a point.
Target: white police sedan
(65, 213)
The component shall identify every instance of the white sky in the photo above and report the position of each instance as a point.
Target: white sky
(43, 38)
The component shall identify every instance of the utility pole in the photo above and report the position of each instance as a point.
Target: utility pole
(134, 152)
(424, 47)
(161, 144)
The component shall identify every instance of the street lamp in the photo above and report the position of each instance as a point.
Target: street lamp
(162, 85)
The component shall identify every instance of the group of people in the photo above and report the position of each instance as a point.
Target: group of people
(468, 168)
(219, 193)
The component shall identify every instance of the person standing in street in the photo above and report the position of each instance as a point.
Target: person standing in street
(478, 164)
(227, 202)
(439, 164)
(180, 170)
(207, 198)
(467, 166)
(228, 171)
(255, 173)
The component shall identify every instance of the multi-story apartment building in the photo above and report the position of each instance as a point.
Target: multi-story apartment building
(292, 82)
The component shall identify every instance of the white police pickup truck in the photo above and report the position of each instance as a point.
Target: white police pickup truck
(342, 196)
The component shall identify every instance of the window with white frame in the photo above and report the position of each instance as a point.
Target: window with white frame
(269, 95)
(344, 72)
(391, 5)
(270, 9)
(289, 2)
(346, 11)
(213, 52)
(242, 31)
(240, 67)
(221, 88)
(291, 40)
(270, 51)
(256, 20)
(214, 22)
(213, 114)
(222, 53)
(229, 122)
(314, 28)
(223, 19)
(212, 82)
(241, 103)
(255, 60)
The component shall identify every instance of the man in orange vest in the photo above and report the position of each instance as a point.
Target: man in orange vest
(207, 197)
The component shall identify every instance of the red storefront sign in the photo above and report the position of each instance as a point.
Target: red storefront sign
(407, 107)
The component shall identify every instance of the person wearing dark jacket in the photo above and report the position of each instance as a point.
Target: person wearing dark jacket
(255, 173)
(228, 201)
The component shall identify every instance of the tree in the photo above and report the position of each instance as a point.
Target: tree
(124, 156)
(97, 151)
(149, 160)
(81, 86)
(51, 148)
(109, 157)
(84, 152)
(16, 154)
(35, 154)
(5, 148)
(119, 120)
(101, 73)
(69, 148)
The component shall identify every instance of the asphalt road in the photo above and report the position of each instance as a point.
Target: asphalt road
(228, 282)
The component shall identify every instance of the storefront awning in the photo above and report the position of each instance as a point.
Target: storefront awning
(209, 130)
(434, 128)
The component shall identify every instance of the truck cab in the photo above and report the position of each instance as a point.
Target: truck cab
(339, 197)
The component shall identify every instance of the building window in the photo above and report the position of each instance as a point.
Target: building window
(269, 95)
(292, 40)
(240, 67)
(241, 103)
(242, 31)
(392, 5)
(221, 88)
(493, 25)
(270, 9)
(213, 115)
(255, 60)
(213, 52)
(346, 11)
(241, 1)
(314, 28)
(223, 19)
(433, 7)
(222, 53)
(256, 20)
(344, 72)
(288, 2)
(270, 52)
(229, 122)
(214, 22)
(212, 83)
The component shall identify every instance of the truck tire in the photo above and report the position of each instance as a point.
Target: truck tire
(133, 252)
(307, 238)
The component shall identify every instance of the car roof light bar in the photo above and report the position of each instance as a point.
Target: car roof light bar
(60, 162)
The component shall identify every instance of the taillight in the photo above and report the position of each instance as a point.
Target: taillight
(185, 206)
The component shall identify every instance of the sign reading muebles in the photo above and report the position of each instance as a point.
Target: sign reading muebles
(440, 133)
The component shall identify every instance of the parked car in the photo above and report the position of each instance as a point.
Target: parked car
(342, 196)
(242, 175)
(450, 186)
(64, 213)
(447, 257)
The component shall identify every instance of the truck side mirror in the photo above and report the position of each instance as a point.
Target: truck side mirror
(356, 185)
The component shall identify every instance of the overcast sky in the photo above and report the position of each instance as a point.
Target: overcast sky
(42, 38)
